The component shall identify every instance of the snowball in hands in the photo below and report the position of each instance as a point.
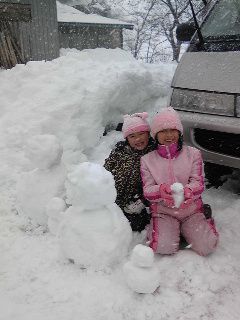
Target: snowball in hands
(142, 275)
(36, 188)
(177, 193)
(94, 231)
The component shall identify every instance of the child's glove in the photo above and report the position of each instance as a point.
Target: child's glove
(134, 207)
(186, 204)
(188, 198)
(188, 194)
(166, 195)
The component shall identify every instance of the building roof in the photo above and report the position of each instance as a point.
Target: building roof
(67, 14)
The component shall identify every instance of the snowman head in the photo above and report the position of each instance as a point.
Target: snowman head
(90, 186)
(142, 256)
(44, 151)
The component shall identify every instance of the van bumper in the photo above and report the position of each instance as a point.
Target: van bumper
(218, 137)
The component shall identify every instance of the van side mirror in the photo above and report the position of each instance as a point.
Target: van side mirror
(185, 31)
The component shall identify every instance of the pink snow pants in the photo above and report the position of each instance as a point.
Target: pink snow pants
(164, 233)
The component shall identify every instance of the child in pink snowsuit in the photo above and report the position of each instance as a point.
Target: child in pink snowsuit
(174, 162)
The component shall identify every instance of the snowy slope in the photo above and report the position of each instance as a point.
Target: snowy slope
(74, 97)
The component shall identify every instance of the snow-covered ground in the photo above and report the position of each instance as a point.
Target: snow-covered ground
(74, 98)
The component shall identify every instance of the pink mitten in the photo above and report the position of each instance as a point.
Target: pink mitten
(188, 198)
(188, 194)
(166, 195)
(186, 204)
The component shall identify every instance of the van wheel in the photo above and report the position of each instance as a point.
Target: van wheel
(216, 174)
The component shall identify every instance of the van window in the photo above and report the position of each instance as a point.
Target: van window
(223, 21)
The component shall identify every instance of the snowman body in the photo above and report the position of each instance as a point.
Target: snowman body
(94, 231)
(37, 187)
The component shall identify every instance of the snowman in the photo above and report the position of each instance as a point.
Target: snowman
(141, 273)
(177, 193)
(36, 188)
(94, 231)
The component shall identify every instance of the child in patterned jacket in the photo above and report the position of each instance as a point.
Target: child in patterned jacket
(124, 163)
(171, 163)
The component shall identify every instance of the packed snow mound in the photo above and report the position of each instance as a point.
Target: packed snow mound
(90, 186)
(73, 97)
(76, 95)
(94, 231)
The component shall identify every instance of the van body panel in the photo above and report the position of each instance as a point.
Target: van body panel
(209, 71)
(206, 85)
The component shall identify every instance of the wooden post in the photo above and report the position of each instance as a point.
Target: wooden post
(10, 53)
(6, 59)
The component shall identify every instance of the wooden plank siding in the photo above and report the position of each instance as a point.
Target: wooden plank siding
(15, 12)
(89, 37)
(38, 38)
(43, 31)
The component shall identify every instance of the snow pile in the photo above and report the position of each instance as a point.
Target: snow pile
(74, 98)
(142, 274)
(94, 231)
(37, 187)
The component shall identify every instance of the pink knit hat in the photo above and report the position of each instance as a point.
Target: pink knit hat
(168, 118)
(135, 123)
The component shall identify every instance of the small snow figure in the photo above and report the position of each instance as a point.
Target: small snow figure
(36, 188)
(177, 193)
(94, 231)
(142, 276)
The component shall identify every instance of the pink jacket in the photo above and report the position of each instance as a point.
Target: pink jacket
(168, 165)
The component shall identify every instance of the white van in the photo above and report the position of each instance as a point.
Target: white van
(206, 85)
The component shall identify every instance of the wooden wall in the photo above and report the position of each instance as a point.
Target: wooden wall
(89, 37)
(38, 38)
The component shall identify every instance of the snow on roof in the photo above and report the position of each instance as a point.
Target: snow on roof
(66, 13)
